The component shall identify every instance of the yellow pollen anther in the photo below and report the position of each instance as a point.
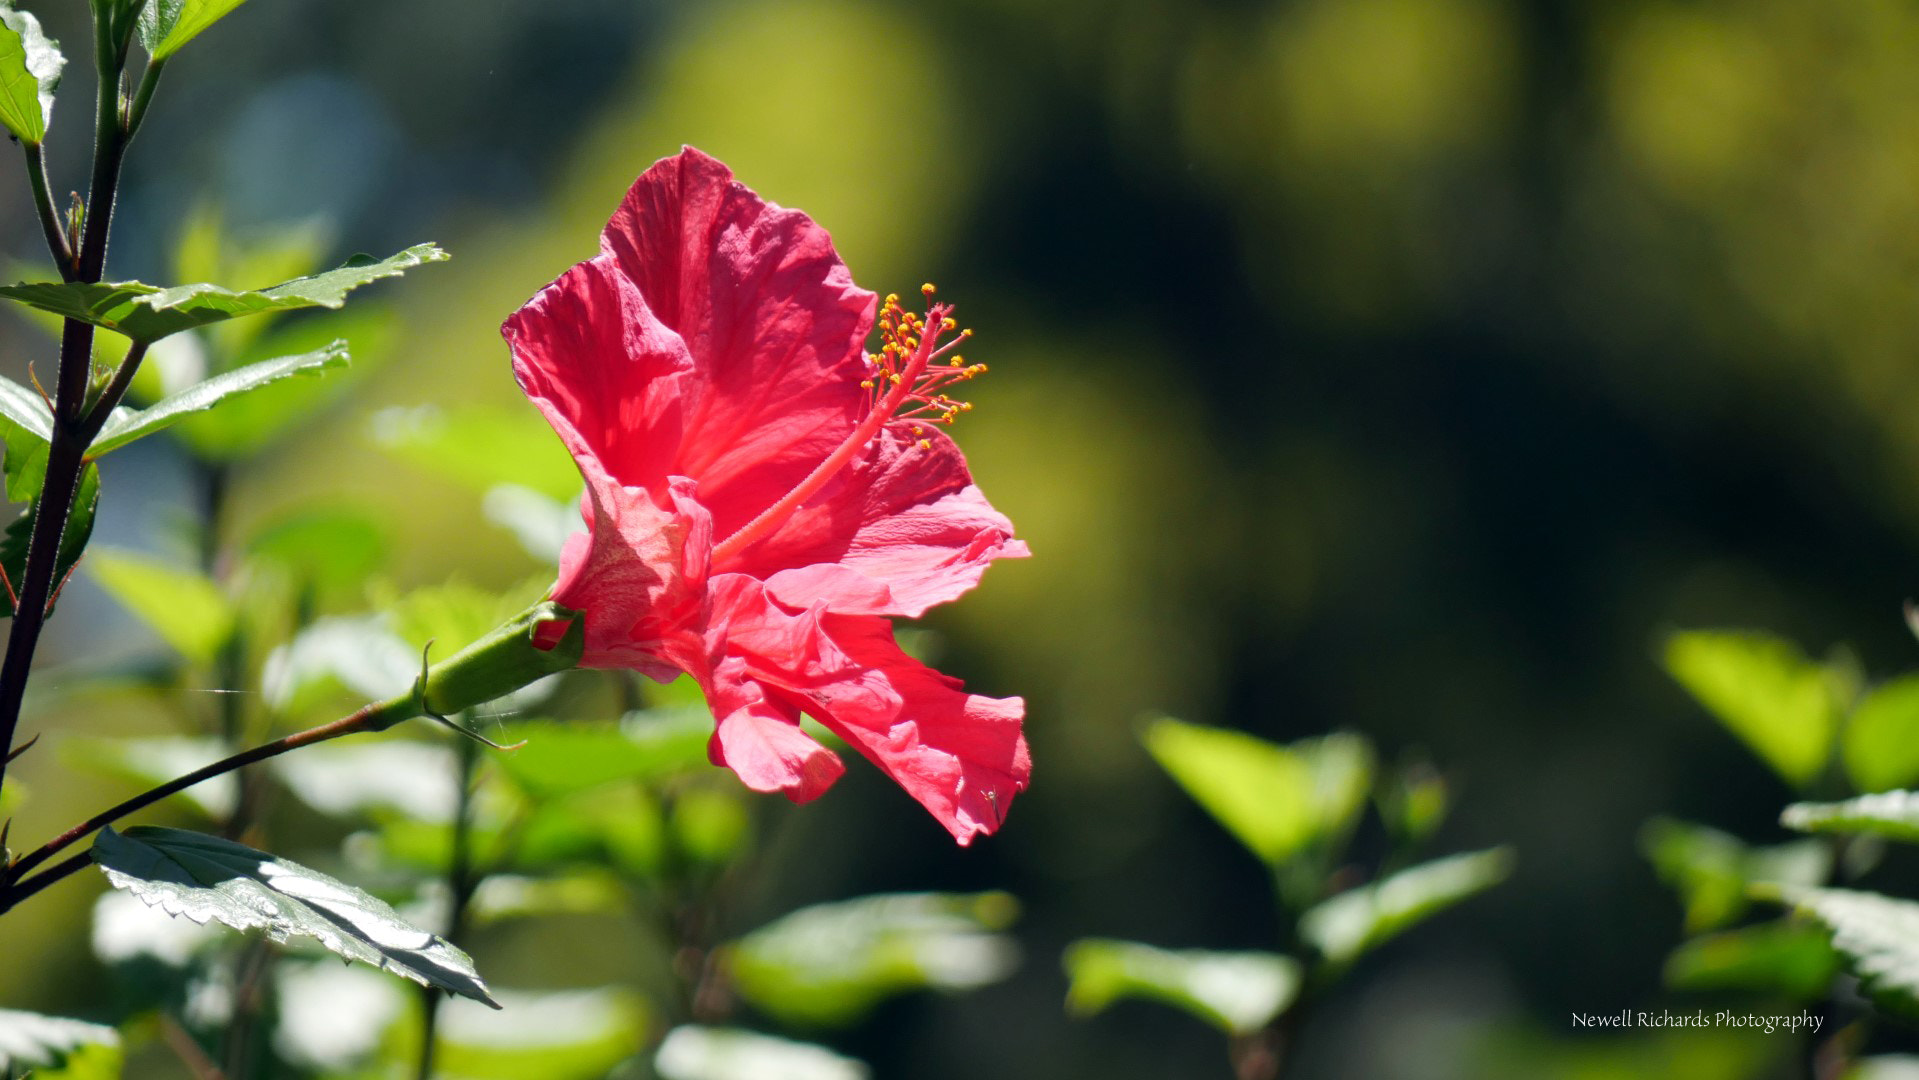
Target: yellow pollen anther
(866, 384)
(927, 289)
(925, 444)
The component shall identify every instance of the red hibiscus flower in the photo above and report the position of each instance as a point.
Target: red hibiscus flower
(762, 494)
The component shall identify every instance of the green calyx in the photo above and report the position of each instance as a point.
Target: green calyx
(496, 665)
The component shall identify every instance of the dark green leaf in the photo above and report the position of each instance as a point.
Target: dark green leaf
(50, 1041)
(165, 25)
(125, 427)
(1764, 690)
(1346, 926)
(703, 1053)
(1891, 814)
(149, 313)
(183, 606)
(1237, 992)
(829, 964)
(73, 541)
(26, 464)
(1776, 958)
(1275, 799)
(30, 64)
(1712, 869)
(205, 877)
(1877, 935)
(1881, 741)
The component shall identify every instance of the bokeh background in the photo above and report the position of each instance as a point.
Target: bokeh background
(1400, 366)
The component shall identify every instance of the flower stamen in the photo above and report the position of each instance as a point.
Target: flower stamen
(905, 386)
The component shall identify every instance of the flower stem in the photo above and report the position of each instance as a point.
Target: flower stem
(375, 717)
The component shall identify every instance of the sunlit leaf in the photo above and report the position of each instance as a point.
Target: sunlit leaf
(125, 427)
(183, 606)
(73, 541)
(245, 424)
(333, 1016)
(541, 1035)
(1891, 814)
(1885, 1067)
(1877, 935)
(1764, 690)
(703, 1053)
(26, 408)
(1237, 992)
(541, 524)
(1775, 958)
(149, 312)
(204, 877)
(50, 1041)
(1275, 799)
(1712, 869)
(155, 760)
(30, 64)
(165, 25)
(414, 779)
(1346, 926)
(829, 964)
(1880, 745)
(500, 897)
(357, 652)
(480, 448)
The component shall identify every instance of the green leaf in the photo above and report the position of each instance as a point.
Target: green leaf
(124, 427)
(1712, 870)
(51, 1041)
(1346, 926)
(1763, 689)
(156, 760)
(165, 25)
(1791, 959)
(26, 409)
(1237, 992)
(1275, 799)
(183, 606)
(829, 964)
(1881, 742)
(541, 1035)
(30, 64)
(333, 549)
(149, 313)
(1891, 814)
(1877, 935)
(703, 1053)
(480, 447)
(560, 759)
(205, 877)
(73, 541)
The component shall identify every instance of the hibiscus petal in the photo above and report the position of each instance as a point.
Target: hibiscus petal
(899, 531)
(960, 755)
(770, 316)
(605, 371)
(761, 740)
(638, 573)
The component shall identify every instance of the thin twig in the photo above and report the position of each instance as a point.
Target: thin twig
(57, 245)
